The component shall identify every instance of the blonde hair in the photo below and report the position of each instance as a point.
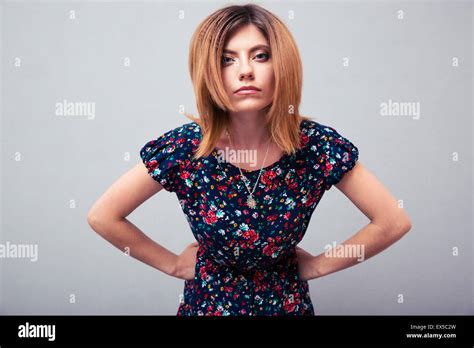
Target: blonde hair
(205, 55)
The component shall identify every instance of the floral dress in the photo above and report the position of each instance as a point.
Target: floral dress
(246, 259)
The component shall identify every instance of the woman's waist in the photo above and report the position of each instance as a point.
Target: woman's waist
(246, 263)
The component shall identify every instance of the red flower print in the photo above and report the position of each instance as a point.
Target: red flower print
(310, 199)
(184, 174)
(272, 217)
(202, 272)
(304, 139)
(251, 235)
(327, 168)
(268, 179)
(268, 176)
(289, 306)
(269, 249)
(210, 218)
(151, 165)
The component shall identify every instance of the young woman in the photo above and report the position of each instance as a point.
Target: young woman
(247, 216)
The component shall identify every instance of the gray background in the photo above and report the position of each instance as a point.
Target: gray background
(76, 158)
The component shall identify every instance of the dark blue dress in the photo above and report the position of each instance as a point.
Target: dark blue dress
(246, 260)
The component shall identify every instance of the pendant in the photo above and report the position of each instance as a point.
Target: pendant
(251, 202)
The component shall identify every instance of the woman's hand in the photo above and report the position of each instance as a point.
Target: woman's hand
(186, 262)
(305, 264)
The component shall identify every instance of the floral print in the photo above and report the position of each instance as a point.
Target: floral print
(246, 260)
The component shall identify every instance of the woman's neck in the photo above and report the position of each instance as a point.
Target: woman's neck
(248, 130)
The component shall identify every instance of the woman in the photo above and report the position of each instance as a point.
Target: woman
(247, 215)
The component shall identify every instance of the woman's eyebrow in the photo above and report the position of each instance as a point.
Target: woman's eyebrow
(254, 48)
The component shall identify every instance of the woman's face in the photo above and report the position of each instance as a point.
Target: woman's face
(247, 61)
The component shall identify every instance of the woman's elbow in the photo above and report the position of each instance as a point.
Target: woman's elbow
(398, 224)
(401, 226)
(406, 226)
(98, 221)
(93, 219)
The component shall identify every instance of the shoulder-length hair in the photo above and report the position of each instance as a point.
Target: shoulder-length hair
(205, 57)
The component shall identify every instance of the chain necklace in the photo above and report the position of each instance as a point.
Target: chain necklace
(250, 199)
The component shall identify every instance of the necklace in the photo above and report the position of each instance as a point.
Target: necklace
(250, 199)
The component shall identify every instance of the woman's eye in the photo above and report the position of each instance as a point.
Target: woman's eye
(263, 54)
(224, 59)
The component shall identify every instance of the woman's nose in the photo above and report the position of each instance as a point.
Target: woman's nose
(246, 71)
(246, 75)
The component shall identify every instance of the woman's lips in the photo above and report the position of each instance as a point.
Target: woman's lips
(247, 91)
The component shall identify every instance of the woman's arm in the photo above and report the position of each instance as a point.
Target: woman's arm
(108, 218)
(388, 223)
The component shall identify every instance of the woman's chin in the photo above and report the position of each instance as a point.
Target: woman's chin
(249, 106)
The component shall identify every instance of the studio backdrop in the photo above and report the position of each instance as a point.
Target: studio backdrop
(86, 84)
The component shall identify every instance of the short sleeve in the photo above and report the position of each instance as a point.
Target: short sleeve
(166, 156)
(339, 155)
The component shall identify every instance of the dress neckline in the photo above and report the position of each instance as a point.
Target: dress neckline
(274, 165)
